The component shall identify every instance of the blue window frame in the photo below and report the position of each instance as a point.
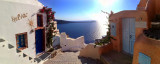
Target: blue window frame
(21, 40)
(144, 59)
(113, 28)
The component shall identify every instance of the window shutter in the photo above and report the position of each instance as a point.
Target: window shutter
(113, 29)
(17, 37)
(144, 59)
(26, 40)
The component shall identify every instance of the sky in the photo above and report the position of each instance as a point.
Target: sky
(87, 9)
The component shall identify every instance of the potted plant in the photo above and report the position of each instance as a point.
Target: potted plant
(106, 39)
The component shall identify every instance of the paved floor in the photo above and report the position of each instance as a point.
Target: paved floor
(116, 58)
(71, 58)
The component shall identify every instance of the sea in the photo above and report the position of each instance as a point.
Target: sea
(90, 30)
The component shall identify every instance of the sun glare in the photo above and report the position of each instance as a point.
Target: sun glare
(102, 21)
(105, 3)
(100, 17)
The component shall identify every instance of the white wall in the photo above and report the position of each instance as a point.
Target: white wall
(10, 56)
(70, 44)
(30, 2)
(8, 28)
(91, 51)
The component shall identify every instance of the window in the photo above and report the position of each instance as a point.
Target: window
(113, 28)
(144, 59)
(39, 20)
(21, 40)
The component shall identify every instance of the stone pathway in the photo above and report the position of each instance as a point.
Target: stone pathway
(71, 58)
(116, 58)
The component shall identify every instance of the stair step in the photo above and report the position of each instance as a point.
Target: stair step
(18, 51)
(1, 40)
(10, 46)
(37, 60)
(43, 56)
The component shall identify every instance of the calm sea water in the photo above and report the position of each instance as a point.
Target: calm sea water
(90, 31)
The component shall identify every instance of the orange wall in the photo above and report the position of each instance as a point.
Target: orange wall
(141, 5)
(117, 18)
(105, 49)
(157, 6)
(144, 45)
(153, 7)
(116, 43)
(147, 46)
(151, 11)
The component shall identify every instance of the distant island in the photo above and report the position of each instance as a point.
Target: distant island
(66, 21)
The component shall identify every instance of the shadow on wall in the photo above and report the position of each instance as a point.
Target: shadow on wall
(95, 52)
(56, 40)
(70, 44)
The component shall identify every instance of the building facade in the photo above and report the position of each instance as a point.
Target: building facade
(23, 27)
(127, 27)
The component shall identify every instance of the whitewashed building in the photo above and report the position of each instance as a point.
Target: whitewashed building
(22, 31)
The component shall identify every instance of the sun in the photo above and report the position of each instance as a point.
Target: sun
(100, 17)
(102, 21)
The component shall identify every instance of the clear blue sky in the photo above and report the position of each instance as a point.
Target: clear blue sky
(85, 9)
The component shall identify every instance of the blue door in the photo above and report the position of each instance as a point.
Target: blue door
(39, 41)
(132, 34)
(144, 59)
(128, 32)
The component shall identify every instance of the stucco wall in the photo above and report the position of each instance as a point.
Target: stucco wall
(56, 40)
(106, 48)
(8, 28)
(151, 11)
(90, 51)
(140, 16)
(147, 46)
(10, 56)
(141, 5)
(29, 2)
(157, 6)
(95, 52)
(70, 44)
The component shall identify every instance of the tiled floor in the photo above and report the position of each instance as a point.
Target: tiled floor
(71, 58)
(116, 58)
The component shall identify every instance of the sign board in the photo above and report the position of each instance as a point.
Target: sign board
(19, 17)
(141, 24)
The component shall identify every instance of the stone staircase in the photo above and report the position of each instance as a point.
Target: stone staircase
(19, 56)
(116, 58)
